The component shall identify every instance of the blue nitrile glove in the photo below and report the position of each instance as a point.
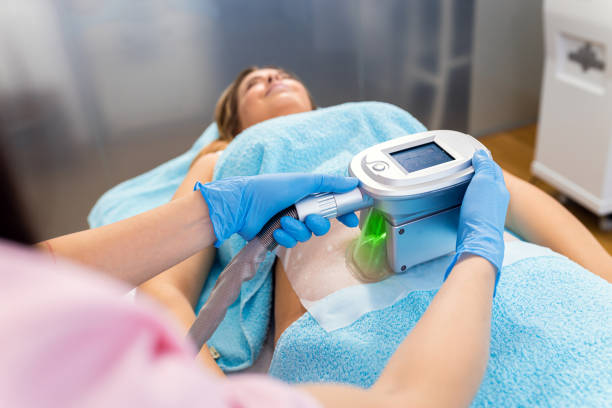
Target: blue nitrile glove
(244, 204)
(483, 214)
(293, 230)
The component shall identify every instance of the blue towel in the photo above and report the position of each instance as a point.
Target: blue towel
(551, 338)
(324, 141)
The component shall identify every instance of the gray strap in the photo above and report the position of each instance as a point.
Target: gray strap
(225, 292)
(241, 269)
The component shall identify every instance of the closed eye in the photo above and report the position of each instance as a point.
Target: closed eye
(253, 81)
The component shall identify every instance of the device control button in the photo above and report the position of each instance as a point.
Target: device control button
(379, 166)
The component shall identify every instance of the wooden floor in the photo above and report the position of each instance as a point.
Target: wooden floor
(513, 150)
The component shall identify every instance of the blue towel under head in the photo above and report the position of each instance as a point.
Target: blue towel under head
(551, 338)
(323, 141)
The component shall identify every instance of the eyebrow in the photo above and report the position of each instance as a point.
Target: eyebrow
(248, 81)
(253, 78)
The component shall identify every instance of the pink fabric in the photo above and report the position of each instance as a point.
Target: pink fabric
(69, 338)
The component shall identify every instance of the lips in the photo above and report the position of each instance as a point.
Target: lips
(277, 87)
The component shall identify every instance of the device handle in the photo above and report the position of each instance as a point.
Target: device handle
(245, 264)
(332, 205)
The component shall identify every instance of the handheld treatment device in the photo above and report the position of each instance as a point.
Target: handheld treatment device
(417, 183)
(413, 187)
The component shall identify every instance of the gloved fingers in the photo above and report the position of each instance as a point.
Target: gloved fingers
(483, 164)
(323, 183)
(487, 164)
(350, 220)
(284, 239)
(317, 224)
(295, 228)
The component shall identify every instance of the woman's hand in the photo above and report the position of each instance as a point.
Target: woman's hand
(483, 213)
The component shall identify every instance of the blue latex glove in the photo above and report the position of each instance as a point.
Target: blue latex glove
(244, 204)
(483, 214)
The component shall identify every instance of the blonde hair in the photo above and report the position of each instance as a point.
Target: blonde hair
(226, 112)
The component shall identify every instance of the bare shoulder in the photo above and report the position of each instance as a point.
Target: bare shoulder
(206, 161)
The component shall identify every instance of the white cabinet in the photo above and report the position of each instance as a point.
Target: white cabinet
(574, 141)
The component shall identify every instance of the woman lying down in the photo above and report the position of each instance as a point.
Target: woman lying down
(545, 306)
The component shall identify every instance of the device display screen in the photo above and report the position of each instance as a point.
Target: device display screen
(421, 157)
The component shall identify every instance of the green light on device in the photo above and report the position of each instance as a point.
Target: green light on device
(374, 228)
(369, 252)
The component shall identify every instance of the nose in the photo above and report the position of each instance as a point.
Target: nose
(274, 76)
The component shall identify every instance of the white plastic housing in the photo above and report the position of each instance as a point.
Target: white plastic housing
(382, 177)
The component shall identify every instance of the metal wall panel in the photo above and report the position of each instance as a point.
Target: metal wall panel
(507, 61)
(95, 92)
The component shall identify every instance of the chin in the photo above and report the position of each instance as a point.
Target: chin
(290, 106)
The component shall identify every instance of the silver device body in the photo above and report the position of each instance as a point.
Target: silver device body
(418, 182)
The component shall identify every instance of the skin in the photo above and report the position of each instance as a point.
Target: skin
(268, 93)
(138, 248)
(178, 288)
(539, 218)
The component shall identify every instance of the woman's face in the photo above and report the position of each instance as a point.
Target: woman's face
(268, 93)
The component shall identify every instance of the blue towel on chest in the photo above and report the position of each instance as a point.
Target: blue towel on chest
(322, 141)
(551, 338)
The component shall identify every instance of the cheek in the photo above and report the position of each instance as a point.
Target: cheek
(304, 96)
(248, 109)
(248, 100)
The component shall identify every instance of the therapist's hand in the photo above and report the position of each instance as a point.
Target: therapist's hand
(244, 204)
(483, 213)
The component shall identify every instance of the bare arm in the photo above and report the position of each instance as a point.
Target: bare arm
(442, 361)
(139, 247)
(539, 218)
(179, 287)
